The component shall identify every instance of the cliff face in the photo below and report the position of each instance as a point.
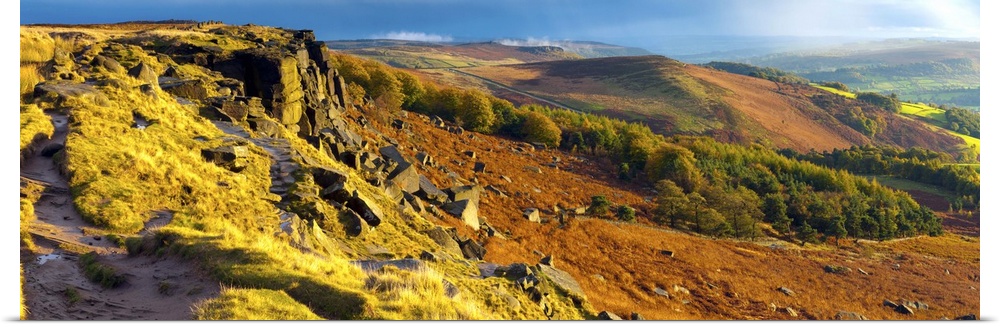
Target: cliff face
(296, 82)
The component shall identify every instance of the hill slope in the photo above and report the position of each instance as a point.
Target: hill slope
(676, 98)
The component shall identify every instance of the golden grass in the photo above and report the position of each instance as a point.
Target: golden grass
(252, 304)
(29, 78)
(418, 295)
(34, 124)
(36, 47)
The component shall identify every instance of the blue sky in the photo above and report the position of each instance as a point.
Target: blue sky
(608, 21)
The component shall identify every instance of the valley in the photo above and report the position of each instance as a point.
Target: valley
(199, 170)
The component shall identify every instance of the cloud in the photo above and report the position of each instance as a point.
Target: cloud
(413, 36)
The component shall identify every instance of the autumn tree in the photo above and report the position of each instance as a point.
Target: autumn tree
(539, 128)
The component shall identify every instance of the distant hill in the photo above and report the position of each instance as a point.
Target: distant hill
(586, 49)
(678, 98)
(423, 55)
(943, 72)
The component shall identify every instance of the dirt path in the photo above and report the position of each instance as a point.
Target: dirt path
(156, 288)
(282, 165)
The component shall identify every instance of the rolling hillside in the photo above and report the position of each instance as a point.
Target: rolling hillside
(943, 72)
(676, 98)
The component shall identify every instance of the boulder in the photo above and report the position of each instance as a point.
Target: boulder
(405, 175)
(791, 312)
(473, 250)
(109, 64)
(496, 191)
(466, 210)
(263, 126)
(354, 225)
(513, 271)
(231, 157)
(403, 264)
(58, 93)
(563, 281)
(145, 73)
(479, 167)
(393, 191)
(414, 203)
(391, 152)
(187, 89)
(532, 215)
(371, 214)
(424, 159)
(429, 192)
(326, 177)
(527, 282)
(548, 261)
(604, 315)
(843, 315)
(444, 239)
(464, 192)
(904, 310)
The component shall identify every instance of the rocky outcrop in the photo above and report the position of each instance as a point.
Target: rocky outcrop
(229, 157)
(296, 84)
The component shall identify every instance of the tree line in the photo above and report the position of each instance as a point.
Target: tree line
(703, 185)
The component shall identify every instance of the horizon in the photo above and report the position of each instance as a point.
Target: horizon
(646, 24)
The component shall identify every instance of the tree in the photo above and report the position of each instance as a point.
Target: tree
(670, 202)
(775, 212)
(599, 205)
(697, 201)
(623, 172)
(838, 230)
(539, 128)
(807, 233)
(676, 163)
(625, 213)
(476, 112)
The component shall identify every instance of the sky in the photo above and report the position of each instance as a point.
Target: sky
(443, 20)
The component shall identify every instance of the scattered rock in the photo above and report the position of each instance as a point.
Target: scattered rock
(473, 250)
(532, 215)
(405, 175)
(403, 264)
(548, 261)
(425, 159)
(967, 317)
(144, 73)
(428, 256)
(915, 304)
(637, 316)
(354, 225)
(863, 272)
(479, 167)
(680, 289)
(326, 177)
(667, 253)
(563, 281)
(466, 210)
(398, 124)
(889, 304)
(661, 292)
(108, 64)
(791, 312)
(513, 271)
(231, 157)
(904, 310)
(785, 290)
(604, 315)
(843, 315)
(470, 154)
(533, 169)
(371, 214)
(836, 269)
(429, 192)
(772, 307)
(444, 239)
(496, 191)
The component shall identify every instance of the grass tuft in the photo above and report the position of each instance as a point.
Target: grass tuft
(253, 304)
(100, 273)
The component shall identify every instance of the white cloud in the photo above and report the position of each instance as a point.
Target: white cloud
(413, 36)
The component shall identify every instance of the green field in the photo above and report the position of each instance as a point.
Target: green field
(908, 185)
(834, 91)
(933, 117)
